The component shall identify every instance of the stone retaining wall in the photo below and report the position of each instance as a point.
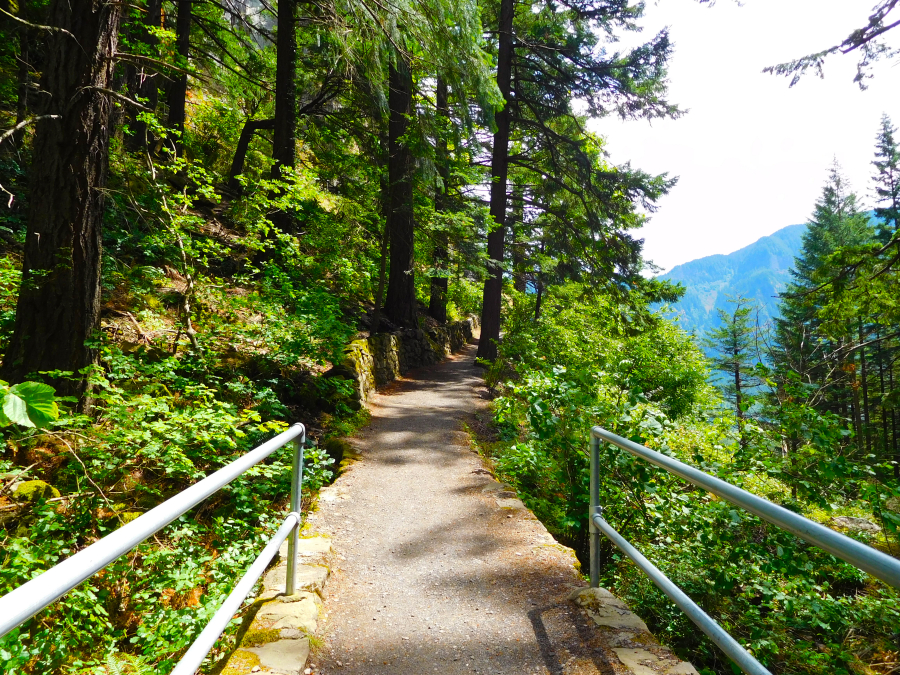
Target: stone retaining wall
(382, 358)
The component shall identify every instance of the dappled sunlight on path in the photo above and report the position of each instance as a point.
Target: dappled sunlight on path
(433, 575)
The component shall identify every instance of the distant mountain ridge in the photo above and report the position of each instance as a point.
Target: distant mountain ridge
(759, 271)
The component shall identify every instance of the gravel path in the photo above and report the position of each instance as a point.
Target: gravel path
(434, 573)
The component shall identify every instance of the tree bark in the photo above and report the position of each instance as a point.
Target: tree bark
(493, 286)
(517, 226)
(894, 447)
(24, 82)
(400, 302)
(283, 142)
(385, 192)
(58, 310)
(884, 425)
(864, 373)
(283, 147)
(178, 90)
(147, 84)
(739, 396)
(240, 153)
(437, 306)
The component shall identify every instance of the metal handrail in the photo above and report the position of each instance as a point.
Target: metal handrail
(864, 557)
(30, 598)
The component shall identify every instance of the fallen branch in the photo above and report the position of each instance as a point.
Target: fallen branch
(142, 336)
(14, 478)
(10, 507)
(87, 474)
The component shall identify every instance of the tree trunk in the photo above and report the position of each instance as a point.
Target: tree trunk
(240, 153)
(437, 306)
(400, 303)
(58, 311)
(864, 373)
(517, 227)
(739, 400)
(283, 147)
(24, 82)
(283, 142)
(882, 392)
(147, 85)
(385, 191)
(894, 447)
(493, 286)
(855, 404)
(178, 89)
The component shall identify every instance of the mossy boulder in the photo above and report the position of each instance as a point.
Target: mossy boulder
(337, 449)
(30, 490)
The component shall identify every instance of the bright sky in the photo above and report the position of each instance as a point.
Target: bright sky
(752, 154)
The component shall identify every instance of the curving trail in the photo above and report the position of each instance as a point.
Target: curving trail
(439, 569)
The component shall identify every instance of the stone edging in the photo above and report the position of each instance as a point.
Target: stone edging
(627, 636)
(275, 634)
(274, 637)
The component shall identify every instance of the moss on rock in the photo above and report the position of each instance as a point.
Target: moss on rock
(260, 636)
(31, 490)
(337, 449)
(240, 662)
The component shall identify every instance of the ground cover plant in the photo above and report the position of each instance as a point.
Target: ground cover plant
(795, 607)
(204, 201)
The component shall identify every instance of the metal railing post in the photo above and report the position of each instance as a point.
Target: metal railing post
(290, 585)
(594, 510)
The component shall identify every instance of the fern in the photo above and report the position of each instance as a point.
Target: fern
(118, 663)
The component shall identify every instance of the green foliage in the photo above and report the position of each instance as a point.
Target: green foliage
(27, 404)
(158, 431)
(798, 609)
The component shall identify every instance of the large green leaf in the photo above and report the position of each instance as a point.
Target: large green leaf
(16, 410)
(31, 404)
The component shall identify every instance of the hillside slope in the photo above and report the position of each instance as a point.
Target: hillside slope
(759, 271)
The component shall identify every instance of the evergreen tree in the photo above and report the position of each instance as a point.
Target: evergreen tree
(887, 179)
(820, 351)
(58, 310)
(838, 221)
(548, 57)
(735, 344)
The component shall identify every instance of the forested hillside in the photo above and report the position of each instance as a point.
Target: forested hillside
(206, 200)
(760, 271)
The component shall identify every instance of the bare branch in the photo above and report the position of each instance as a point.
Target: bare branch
(121, 97)
(168, 66)
(24, 123)
(50, 29)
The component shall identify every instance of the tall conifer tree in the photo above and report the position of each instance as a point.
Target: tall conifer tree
(887, 179)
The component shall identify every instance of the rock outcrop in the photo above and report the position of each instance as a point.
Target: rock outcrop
(383, 358)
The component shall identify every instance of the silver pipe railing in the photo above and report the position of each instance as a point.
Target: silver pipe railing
(864, 557)
(30, 598)
(194, 656)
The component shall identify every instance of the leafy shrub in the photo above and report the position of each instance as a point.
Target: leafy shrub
(798, 609)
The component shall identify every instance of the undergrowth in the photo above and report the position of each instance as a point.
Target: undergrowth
(216, 334)
(795, 607)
